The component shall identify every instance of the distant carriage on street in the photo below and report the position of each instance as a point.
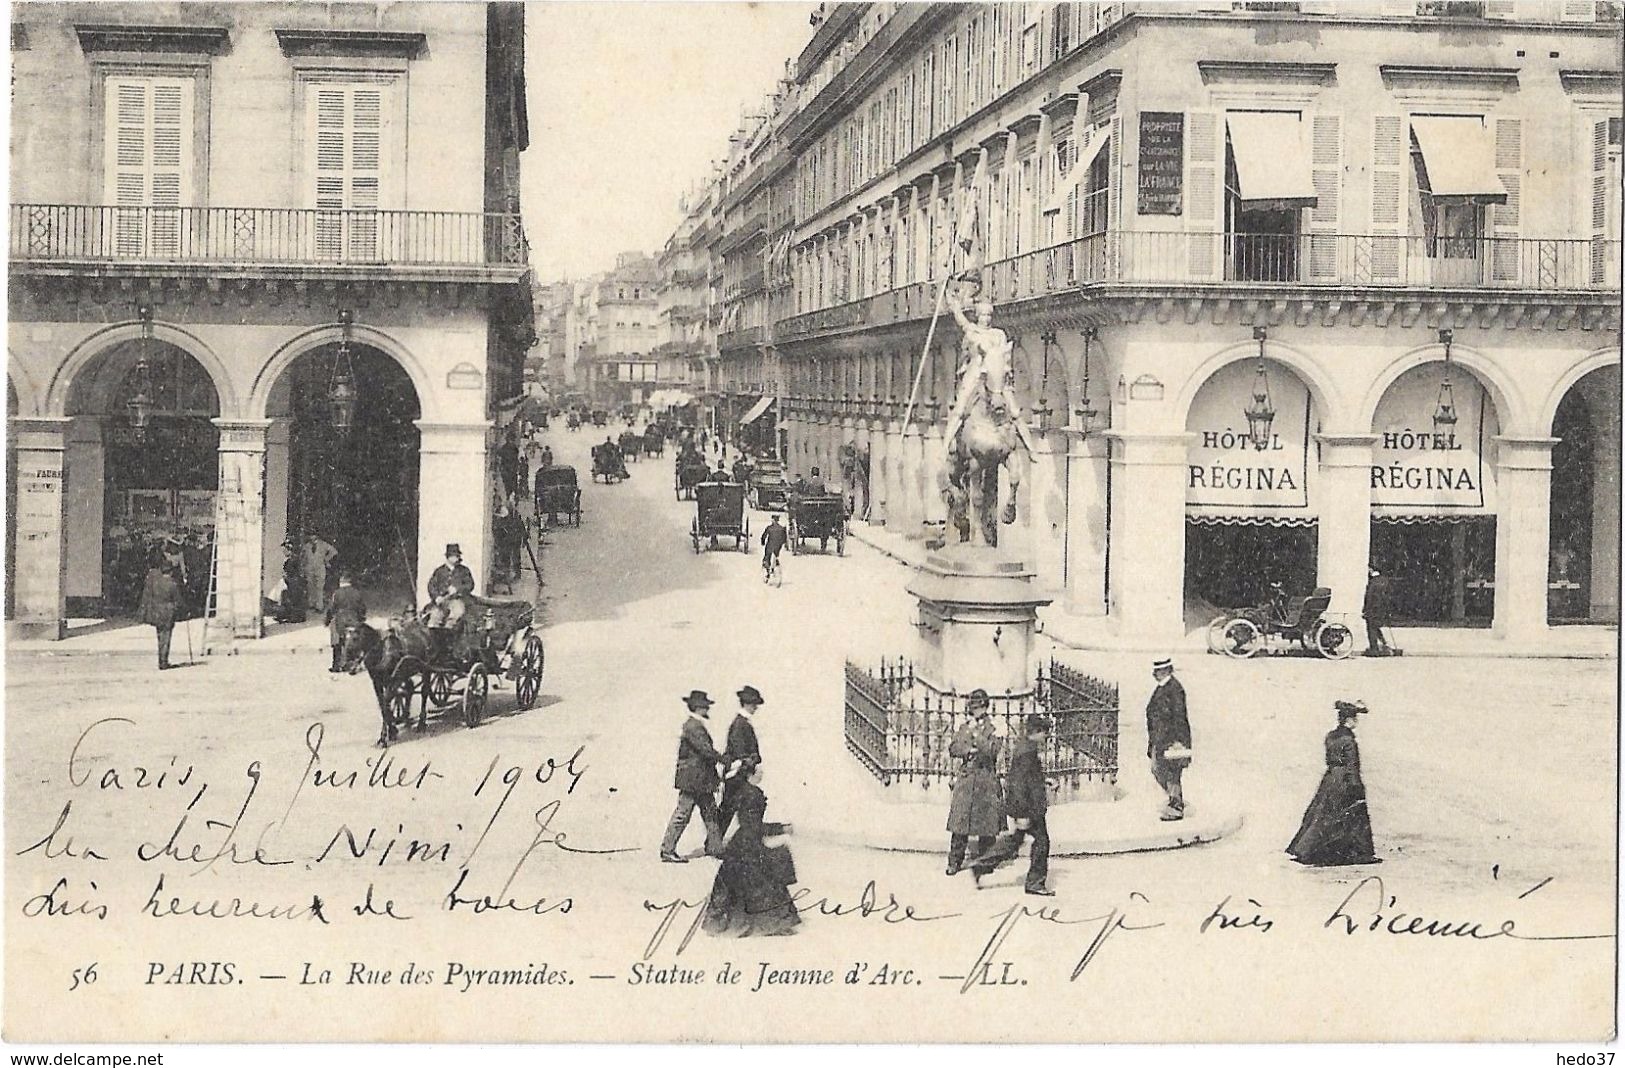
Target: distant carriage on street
(690, 471)
(607, 464)
(719, 512)
(600, 417)
(1261, 629)
(557, 494)
(654, 442)
(822, 517)
(767, 486)
(631, 445)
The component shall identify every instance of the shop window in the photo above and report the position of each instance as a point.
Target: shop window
(1461, 9)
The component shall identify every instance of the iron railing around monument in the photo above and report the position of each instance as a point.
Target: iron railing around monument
(900, 727)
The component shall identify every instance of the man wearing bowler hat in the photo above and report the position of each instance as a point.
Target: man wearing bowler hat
(741, 755)
(1026, 801)
(696, 780)
(1168, 737)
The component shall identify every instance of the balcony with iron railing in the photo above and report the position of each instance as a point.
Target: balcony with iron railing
(744, 337)
(1373, 265)
(440, 244)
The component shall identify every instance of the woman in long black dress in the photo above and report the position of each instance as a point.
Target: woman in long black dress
(751, 894)
(1336, 827)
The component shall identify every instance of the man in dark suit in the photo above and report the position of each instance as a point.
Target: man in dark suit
(741, 754)
(1026, 801)
(160, 604)
(1378, 598)
(696, 780)
(347, 609)
(1167, 728)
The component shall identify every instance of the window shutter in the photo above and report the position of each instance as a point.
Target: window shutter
(1506, 219)
(148, 161)
(1325, 218)
(1114, 176)
(1204, 148)
(1600, 231)
(345, 125)
(1389, 157)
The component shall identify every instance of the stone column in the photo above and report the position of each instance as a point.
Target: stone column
(86, 502)
(239, 530)
(1087, 479)
(454, 498)
(1523, 487)
(1343, 549)
(1147, 577)
(39, 589)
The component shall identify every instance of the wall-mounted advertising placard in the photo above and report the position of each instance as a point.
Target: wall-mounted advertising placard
(1162, 163)
(1420, 468)
(1225, 473)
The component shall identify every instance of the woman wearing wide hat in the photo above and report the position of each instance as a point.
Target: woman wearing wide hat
(1336, 828)
(751, 893)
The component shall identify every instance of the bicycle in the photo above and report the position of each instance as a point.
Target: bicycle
(772, 570)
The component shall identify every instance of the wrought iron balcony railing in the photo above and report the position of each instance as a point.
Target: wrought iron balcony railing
(92, 233)
(1333, 261)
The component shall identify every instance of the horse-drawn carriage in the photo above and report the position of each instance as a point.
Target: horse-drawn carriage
(822, 516)
(1282, 621)
(407, 662)
(690, 471)
(557, 494)
(719, 512)
(631, 445)
(607, 463)
(599, 417)
(654, 442)
(767, 485)
(572, 421)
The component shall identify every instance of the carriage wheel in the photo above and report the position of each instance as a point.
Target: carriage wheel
(1333, 641)
(1215, 634)
(475, 690)
(437, 689)
(694, 533)
(840, 543)
(528, 680)
(1242, 639)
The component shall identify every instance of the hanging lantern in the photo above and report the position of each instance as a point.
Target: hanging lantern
(1444, 416)
(341, 392)
(1041, 411)
(1260, 412)
(1085, 411)
(139, 406)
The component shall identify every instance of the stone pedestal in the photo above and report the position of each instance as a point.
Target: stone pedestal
(977, 616)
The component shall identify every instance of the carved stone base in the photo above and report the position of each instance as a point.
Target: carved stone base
(977, 620)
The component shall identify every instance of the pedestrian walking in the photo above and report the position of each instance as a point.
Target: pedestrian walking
(347, 609)
(696, 780)
(751, 893)
(1377, 610)
(1336, 827)
(1027, 803)
(742, 754)
(1168, 738)
(975, 808)
(160, 605)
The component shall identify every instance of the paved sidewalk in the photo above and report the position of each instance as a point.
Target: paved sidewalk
(1098, 632)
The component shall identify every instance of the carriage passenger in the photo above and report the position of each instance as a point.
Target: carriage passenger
(815, 484)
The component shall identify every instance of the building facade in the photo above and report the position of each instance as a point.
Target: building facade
(1396, 225)
(268, 281)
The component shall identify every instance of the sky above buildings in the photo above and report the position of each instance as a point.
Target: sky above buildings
(629, 104)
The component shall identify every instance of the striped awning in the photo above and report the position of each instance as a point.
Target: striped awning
(756, 411)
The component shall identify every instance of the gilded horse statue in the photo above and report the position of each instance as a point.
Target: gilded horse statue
(984, 430)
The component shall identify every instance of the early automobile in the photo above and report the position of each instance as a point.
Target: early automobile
(1282, 621)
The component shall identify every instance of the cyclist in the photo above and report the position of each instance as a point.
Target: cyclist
(774, 539)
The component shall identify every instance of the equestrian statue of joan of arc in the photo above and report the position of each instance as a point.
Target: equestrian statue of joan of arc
(984, 426)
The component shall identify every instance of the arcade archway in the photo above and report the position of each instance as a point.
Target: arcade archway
(1433, 501)
(1583, 575)
(142, 452)
(1250, 511)
(354, 487)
